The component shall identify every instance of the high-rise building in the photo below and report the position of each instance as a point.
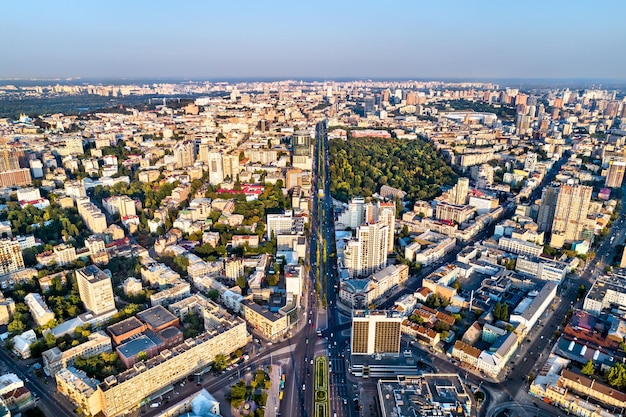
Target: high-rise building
(95, 289)
(9, 160)
(530, 161)
(369, 105)
(231, 166)
(458, 194)
(546, 208)
(386, 213)
(216, 168)
(11, 259)
(301, 143)
(367, 253)
(570, 213)
(185, 153)
(615, 174)
(523, 124)
(121, 204)
(376, 332)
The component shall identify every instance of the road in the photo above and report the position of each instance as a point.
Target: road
(50, 402)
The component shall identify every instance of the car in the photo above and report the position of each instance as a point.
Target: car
(311, 361)
(303, 387)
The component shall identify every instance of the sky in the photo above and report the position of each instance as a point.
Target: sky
(431, 39)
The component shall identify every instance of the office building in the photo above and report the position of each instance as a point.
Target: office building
(607, 291)
(615, 174)
(376, 332)
(95, 289)
(429, 395)
(301, 143)
(11, 259)
(570, 214)
(546, 208)
(361, 293)
(367, 253)
(520, 247)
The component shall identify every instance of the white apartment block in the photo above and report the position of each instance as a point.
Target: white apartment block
(65, 254)
(367, 253)
(519, 247)
(92, 216)
(607, 291)
(121, 204)
(38, 309)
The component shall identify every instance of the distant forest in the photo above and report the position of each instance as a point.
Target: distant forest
(77, 104)
(359, 167)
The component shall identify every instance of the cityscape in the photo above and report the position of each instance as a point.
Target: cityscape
(306, 219)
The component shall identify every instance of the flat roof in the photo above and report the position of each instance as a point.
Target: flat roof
(135, 346)
(156, 316)
(125, 326)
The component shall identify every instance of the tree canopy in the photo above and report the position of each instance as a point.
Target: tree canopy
(360, 166)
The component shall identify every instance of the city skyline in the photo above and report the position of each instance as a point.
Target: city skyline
(284, 40)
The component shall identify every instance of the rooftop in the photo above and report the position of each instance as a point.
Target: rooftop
(425, 395)
(156, 317)
(125, 326)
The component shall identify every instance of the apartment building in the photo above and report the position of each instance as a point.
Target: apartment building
(121, 204)
(54, 360)
(570, 214)
(38, 308)
(92, 216)
(11, 259)
(95, 289)
(520, 247)
(367, 253)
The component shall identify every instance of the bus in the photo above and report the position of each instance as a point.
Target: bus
(282, 382)
(280, 396)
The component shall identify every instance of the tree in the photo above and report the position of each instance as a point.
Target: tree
(501, 311)
(588, 369)
(616, 376)
(213, 294)
(582, 290)
(220, 362)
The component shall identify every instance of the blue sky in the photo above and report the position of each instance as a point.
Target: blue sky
(378, 39)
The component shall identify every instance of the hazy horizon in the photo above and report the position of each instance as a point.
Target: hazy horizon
(481, 40)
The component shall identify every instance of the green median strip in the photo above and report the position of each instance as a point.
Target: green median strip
(320, 387)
